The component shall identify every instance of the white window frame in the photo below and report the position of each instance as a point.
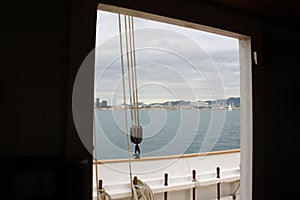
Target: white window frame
(246, 131)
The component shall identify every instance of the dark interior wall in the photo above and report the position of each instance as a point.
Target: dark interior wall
(281, 47)
(35, 45)
(43, 46)
(44, 43)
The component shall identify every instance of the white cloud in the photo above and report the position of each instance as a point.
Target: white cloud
(184, 62)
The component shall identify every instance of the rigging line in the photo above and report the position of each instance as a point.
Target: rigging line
(234, 193)
(131, 70)
(134, 68)
(125, 107)
(95, 151)
(128, 70)
(134, 64)
(134, 104)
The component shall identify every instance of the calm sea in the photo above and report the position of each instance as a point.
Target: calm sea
(168, 132)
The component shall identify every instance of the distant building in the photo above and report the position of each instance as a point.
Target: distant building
(199, 104)
(103, 104)
(97, 103)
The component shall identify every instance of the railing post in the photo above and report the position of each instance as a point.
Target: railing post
(134, 180)
(218, 184)
(166, 184)
(194, 180)
(100, 184)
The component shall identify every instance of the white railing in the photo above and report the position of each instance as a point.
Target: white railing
(115, 175)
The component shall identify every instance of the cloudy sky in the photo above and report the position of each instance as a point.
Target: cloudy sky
(173, 63)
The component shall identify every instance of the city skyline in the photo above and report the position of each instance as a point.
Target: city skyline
(113, 103)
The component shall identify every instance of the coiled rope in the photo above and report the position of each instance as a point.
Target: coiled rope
(142, 191)
(103, 195)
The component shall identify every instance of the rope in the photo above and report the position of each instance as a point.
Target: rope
(128, 68)
(124, 100)
(103, 195)
(134, 70)
(131, 69)
(142, 191)
(95, 151)
(234, 193)
(134, 94)
(132, 83)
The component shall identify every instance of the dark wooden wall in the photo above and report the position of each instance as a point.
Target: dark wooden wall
(281, 48)
(43, 44)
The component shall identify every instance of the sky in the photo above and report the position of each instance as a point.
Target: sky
(172, 62)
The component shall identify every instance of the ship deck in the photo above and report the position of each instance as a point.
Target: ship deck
(115, 175)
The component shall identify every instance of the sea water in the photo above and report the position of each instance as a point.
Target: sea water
(167, 132)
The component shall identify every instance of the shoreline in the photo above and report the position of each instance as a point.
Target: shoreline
(170, 109)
